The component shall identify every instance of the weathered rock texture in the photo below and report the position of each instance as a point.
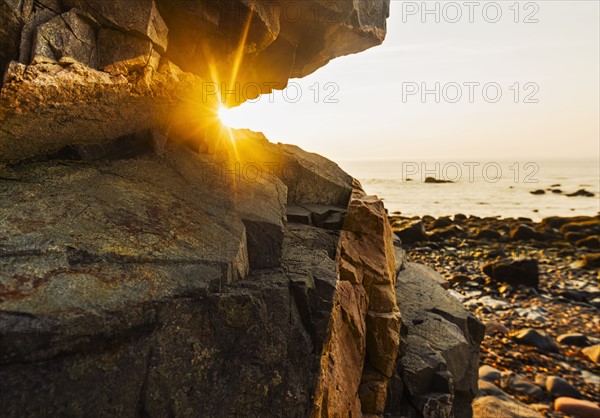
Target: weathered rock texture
(137, 284)
(127, 288)
(436, 375)
(95, 70)
(360, 353)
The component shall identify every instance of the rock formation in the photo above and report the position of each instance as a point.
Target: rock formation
(148, 267)
(90, 71)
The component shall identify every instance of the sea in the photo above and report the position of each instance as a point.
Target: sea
(481, 188)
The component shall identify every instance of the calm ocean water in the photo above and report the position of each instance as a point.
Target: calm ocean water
(483, 188)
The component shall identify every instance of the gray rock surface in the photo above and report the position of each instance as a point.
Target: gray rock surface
(70, 35)
(439, 368)
(314, 182)
(520, 385)
(188, 292)
(122, 271)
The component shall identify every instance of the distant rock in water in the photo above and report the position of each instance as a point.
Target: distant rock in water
(581, 192)
(433, 180)
(538, 192)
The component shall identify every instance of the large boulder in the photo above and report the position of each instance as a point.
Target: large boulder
(515, 272)
(199, 350)
(45, 107)
(439, 370)
(184, 293)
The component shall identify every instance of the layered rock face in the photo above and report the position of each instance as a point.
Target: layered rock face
(149, 267)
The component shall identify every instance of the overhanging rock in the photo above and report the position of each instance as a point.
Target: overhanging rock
(126, 66)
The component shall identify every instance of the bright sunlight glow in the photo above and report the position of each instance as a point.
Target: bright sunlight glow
(233, 117)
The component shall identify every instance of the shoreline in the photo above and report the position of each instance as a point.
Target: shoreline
(551, 288)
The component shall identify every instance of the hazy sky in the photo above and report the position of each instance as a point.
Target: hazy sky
(373, 119)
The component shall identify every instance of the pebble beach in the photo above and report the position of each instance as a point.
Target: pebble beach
(535, 287)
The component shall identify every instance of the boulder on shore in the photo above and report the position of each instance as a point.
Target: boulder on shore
(411, 232)
(515, 272)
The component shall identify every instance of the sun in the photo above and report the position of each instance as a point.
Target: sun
(225, 115)
(232, 117)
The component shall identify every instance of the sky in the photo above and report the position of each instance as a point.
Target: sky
(528, 85)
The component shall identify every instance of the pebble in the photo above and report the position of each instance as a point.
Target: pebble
(565, 297)
(540, 407)
(533, 314)
(488, 234)
(576, 339)
(577, 407)
(472, 293)
(523, 232)
(494, 402)
(538, 339)
(593, 353)
(520, 385)
(459, 279)
(457, 295)
(558, 387)
(540, 380)
(514, 271)
(492, 327)
(493, 303)
(590, 378)
(490, 374)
